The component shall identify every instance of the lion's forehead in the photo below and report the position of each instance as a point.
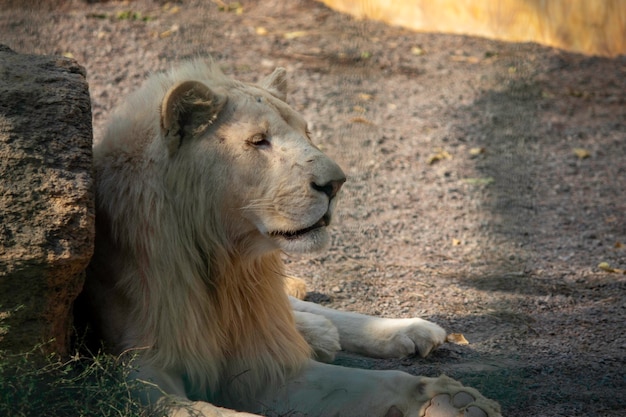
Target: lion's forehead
(257, 107)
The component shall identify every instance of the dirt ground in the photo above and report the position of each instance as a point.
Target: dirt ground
(466, 202)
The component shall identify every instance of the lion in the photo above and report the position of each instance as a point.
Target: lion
(201, 183)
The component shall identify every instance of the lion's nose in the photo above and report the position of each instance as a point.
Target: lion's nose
(331, 188)
(328, 177)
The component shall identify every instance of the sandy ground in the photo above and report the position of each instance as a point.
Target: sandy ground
(466, 203)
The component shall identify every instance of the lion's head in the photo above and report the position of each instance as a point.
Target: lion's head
(246, 151)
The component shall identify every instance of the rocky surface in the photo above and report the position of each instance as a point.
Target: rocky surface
(46, 201)
(486, 179)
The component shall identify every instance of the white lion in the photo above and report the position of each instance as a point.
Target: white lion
(201, 182)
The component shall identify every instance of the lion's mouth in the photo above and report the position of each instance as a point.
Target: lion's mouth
(296, 234)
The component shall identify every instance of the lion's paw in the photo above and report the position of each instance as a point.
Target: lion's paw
(295, 287)
(449, 398)
(396, 338)
(202, 409)
(462, 404)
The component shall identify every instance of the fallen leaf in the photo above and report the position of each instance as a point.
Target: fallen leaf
(581, 153)
(68, 55)
(296, 34)
(440, 155)
(261, 31)
(468, 59)
(457, 339)
(607, 268)
(169, 32)
(618, 245)
(416, 50)
(362, 120)
(476, 151)
(478, 181)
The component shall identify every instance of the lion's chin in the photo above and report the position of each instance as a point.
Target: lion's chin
(304, 241)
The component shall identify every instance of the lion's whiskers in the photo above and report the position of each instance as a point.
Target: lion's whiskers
(260, 205)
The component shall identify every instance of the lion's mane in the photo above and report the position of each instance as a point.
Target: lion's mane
(194, 300)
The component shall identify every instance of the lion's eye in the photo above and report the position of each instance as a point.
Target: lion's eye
(259, 140)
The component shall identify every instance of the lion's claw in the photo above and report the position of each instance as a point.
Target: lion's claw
(461, 404)
(445, 397)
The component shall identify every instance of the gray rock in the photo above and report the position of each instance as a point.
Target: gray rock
(46, 198)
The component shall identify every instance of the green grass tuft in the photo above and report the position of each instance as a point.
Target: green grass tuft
(94, 386)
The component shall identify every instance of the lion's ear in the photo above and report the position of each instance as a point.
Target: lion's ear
(187, 110)
(276, 83)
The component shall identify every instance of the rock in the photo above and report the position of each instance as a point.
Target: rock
(46, 198)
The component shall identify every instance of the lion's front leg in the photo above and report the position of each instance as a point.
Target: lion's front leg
(328, 390)
(320, 333)
(379, 337)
